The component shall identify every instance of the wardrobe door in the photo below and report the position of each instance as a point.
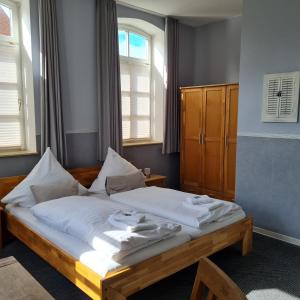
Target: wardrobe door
(213, 140)
(190, 154)
(230, 140)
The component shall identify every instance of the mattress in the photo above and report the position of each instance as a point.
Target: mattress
(98, 262)
(87, 255)
(191, 231)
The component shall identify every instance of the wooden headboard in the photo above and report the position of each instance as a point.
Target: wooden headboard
(85, 176)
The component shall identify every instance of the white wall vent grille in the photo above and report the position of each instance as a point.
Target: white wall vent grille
(281, 97)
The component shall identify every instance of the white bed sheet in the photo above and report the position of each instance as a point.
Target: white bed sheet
(195, 232)
(94, 259)
(168, 203)
(87, 255)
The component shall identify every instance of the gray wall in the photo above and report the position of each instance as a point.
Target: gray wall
(186, 62)
(268, 174)
(77, 46)
(217, 52)
(150, 156)
(268, 182)
(128, 12)
(270, 44)
(76, 24)
(10, 166)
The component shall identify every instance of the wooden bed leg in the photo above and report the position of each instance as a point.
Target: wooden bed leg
(114, 295)
(109, 293)
(247, 239)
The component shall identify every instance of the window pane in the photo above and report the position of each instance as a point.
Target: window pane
(9, 104)
(5, 20)
(143, 83)
(138, 46)
(8, 64)
(123, 42)
(126, 129)
(10, 134)
(142, 106)
(143, 129)
(125, 106)
(140, 77)
(125, 79)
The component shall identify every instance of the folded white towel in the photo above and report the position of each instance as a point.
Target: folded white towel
(129, 226)
(117, 244)
(204, 207)
(129, 217)
(198, 200)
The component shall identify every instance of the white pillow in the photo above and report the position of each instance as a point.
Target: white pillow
(114, 165)
(47, 171)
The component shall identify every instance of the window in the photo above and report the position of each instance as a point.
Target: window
(135, 64)
(11, 111)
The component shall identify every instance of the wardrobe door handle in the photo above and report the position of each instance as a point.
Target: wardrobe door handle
(203, 138)
(200, 138)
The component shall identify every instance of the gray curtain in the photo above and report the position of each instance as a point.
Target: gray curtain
(108, 79)
(172, 108)
(52, 131)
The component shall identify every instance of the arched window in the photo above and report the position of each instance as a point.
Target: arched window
(135, 64)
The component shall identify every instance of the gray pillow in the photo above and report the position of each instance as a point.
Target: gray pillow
(46, 192)
(118, 184)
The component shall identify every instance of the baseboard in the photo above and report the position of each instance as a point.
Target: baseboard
(277, 236)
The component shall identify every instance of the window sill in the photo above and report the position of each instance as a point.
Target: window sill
(17, 153)
(140, 143)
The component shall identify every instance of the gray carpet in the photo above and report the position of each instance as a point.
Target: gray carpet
(270, 272)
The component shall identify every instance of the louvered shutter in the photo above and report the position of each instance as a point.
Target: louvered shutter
(272, 99)
(281, 97)
(288, 88)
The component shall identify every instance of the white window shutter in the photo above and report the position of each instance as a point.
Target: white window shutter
(281, 97)
(136, 97)
(289, 97)
(272, 105)
(11, 117)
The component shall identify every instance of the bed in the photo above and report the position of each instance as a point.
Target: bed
(102, 279)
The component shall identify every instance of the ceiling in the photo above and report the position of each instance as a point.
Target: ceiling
(190, 12)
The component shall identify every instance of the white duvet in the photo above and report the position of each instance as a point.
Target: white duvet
(86, 218)
(169, 204)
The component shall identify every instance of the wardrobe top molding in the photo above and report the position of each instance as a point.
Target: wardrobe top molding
(206, 85)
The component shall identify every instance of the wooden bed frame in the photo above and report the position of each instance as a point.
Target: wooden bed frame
(120, 284)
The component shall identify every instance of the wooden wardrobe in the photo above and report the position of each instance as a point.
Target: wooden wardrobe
(208, 139)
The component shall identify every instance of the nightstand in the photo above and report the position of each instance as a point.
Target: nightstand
(156, 180)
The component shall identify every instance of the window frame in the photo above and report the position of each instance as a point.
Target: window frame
(135, 30)
(15, 41)
(143, 62)
(14, 38)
